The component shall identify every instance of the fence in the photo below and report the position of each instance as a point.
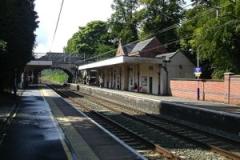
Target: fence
(226, 91)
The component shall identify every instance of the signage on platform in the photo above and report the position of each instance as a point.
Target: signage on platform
(197, 72)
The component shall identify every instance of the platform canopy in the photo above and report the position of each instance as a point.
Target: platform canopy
(120, 60)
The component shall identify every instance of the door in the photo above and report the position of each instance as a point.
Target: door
(150, 85)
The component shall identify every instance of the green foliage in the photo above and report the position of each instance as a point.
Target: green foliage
(202, 2)
(157, 15)
(93, 39)
(210, 29)
(54, 76)
(17, 26)
(138, 19)
(123, 22)
(214, 38)
(131, 20)
(17, 29)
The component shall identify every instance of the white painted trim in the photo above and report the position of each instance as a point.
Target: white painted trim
(66, 145)
(120, 60)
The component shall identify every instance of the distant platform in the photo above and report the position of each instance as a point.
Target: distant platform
(217, 116)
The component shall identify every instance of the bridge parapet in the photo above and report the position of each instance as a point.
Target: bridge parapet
(39, 63)
(67, 63)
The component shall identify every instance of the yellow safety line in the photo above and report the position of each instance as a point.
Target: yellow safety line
(65, 147)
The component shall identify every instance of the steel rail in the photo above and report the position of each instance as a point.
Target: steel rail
(157, 148)
(213, 148)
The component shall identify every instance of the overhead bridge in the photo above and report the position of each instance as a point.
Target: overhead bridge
(65, 62)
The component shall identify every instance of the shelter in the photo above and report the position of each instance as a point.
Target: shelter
(140, 67)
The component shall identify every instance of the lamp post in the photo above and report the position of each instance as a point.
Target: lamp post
(198, 59)
(197, 73)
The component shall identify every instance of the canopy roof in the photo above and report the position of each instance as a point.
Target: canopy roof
(120, 60)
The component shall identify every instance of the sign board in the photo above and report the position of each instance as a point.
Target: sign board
(197, 72)
(197, 69)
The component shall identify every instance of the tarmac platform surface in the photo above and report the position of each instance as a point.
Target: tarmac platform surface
(32, 135)
(46, 127)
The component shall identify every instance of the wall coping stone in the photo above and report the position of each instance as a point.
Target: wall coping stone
(202, 80)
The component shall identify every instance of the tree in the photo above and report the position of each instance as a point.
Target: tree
(215, 36)
(17, 26)
(157, 15)
(202, 2)
(92, 39)
(123, 22)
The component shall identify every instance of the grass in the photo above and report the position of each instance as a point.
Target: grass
(54, 76)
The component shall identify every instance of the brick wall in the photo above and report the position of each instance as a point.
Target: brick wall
(213, 91)
(227, 91)
(234, 89)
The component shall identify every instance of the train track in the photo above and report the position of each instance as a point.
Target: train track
(179, 142)
(215, 143)
(143, 146)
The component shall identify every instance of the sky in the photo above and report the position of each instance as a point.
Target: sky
(75, 13)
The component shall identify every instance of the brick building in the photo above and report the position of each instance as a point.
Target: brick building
(139, 67)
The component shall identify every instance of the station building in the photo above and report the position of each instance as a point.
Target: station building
(144, 67)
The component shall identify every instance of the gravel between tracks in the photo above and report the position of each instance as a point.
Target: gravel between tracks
(180, 147)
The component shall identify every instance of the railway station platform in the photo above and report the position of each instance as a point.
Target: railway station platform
(210, 116)
(44, 126)
(31, 133)
(8, 105)
(88, 139)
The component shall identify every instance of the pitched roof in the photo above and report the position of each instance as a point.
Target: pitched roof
(147, 48)
(167, 55)
(136, 46)
(141, 45)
